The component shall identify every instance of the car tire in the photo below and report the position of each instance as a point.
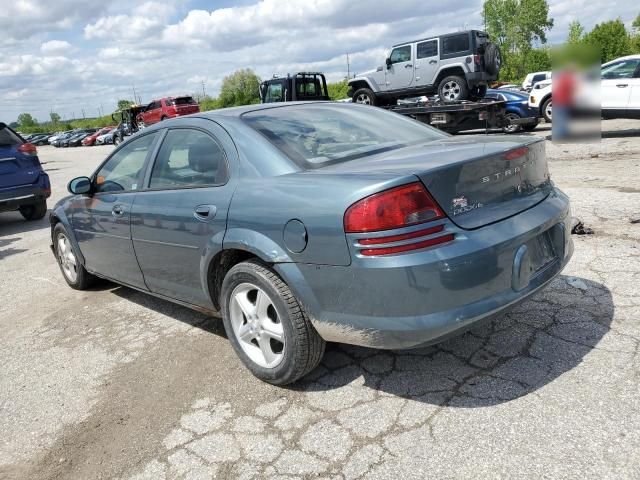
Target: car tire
(452, 89)
(35, 211)
(547, 110)
(116, 140)
(72, 270)
(511, 128)
(365, 96)
(492, 59)
(258, 308)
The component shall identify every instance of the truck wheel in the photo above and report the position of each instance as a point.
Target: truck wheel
(35, 211)
(547, 107)
(511, 128)
(364, 96)
(492, 59)
(452, 89)
(72, 270)
(266, 325)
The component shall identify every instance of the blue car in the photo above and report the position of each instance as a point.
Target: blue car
(303, 223)
(24, 186)
(517, 107)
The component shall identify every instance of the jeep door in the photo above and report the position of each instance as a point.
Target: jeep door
(427, 62)
(400, 68)
(182, 212)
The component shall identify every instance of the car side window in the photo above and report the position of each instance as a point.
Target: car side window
(622, 69)
(188, 158)
(122, 170)
(274, 93)
(455, 43)
(427, 49)
(401, 54)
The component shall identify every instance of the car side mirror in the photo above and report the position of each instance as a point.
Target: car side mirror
(79, 186)
(388, 62)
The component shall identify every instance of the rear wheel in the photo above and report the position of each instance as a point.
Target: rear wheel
(116, 140)
(511, 128)
(35, 211)
(266, 325)
(453, 89)
(547, 108)
(364, 96)
(72, 270)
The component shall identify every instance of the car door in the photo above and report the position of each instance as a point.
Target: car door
(427, 62)
(400, 68)
(182, 212)
(101, 220)
(617, 84)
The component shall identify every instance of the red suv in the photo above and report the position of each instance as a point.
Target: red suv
(167, 108)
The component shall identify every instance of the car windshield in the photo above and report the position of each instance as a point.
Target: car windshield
(317, 134)
(7, 137)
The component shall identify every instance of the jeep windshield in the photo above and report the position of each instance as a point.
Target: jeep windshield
(318, 134)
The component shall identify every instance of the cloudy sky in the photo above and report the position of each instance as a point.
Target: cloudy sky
(80, 55)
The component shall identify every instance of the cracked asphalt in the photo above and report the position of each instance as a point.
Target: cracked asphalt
(115, 384)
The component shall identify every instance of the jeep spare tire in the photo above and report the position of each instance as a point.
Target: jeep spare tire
(453, 89)
(364, 96)
(492, 59)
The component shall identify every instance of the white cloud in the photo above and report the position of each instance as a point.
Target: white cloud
(54, 47)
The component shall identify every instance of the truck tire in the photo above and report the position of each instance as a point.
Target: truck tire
(453, 88)
(35, 211)
(492, 59)
(547, 107)
(365, 96)
(266, 325)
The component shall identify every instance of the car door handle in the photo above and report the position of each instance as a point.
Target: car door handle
(117, 211)
(433, 62)
(622, 85)
(205, 212)
(408, 65)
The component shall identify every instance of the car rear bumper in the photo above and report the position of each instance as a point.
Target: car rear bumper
(416, 299)
(12, 198)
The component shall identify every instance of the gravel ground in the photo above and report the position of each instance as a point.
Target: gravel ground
(112, 383)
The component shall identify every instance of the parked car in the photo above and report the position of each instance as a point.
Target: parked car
(620, 88)
(457, 66)
(77, 140)
(61, 138)
(56, 136)
(111, 137)
(39, 139)
(516, 108)
(90, 140)
(540, 99)
(66, 141)
(321, 221)
(533, 78)
(24, 185)
(168, 107)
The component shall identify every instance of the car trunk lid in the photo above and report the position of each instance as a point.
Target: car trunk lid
(476, 180)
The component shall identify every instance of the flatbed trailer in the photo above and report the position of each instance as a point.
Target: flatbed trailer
(454, 117)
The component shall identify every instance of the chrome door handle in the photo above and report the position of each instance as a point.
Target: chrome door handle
(205, 212)
(408, 65)
(622, 85)
(433, 62)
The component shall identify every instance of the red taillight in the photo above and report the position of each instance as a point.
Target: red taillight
(430, 242)
(395, 208)
(28, 149)
(517, 153)
(477, 59)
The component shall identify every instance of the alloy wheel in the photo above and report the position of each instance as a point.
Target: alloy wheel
(67, 258)
(364, 99)
(256, 325)
(451, 90)
(548, 110)
(512, 128)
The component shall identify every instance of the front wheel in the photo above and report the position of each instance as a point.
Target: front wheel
(364, 96)
(72, 270)
(35, 211)
(547, 110)
(453, 89)
(511, 127)
(266, 325)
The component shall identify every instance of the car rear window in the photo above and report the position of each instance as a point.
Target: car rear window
(455, 43)
(7, 137)
(181, 101)
(320, 134)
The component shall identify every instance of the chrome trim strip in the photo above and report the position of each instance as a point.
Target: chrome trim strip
(168, 244)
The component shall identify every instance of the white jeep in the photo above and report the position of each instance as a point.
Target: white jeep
(457, 66)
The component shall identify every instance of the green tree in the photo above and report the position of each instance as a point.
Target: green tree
(208, 103)
(55, 118)
(124, 104)
(516, 25)
(635, 35)
(611, 39)
(338, 90)
(576, 32)
(26, 120)
(240, 88)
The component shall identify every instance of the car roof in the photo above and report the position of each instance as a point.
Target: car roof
(627, 57)
(239, 111)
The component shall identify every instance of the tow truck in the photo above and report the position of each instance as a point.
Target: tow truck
(452, 117)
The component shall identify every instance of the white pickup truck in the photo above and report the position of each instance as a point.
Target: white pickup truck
(619, 90)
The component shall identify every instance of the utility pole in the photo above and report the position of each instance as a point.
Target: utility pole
(204, 94)
(83, 113)
(348, 69)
